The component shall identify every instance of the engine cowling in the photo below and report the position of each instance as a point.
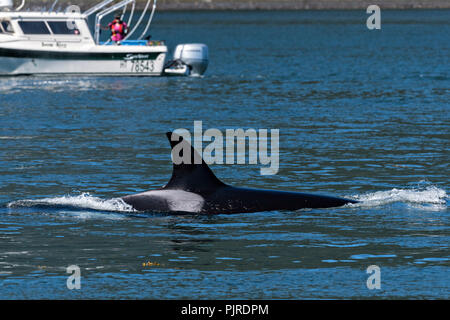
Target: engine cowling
(195, 55)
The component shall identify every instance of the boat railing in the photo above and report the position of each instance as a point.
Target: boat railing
(53, 6)
(149, 22)
(123, 4)
(101, 14)
(130, 18)
(20, 6)
(97, 7)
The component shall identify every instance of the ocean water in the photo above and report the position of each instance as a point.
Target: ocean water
(361, 114)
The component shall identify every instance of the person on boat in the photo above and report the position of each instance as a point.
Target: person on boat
(118, 28)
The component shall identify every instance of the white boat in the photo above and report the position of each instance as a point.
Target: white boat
(48, 42)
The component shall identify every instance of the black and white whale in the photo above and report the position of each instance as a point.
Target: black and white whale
(193, 188)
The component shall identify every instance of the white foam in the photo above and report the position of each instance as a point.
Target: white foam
(15, 137)
(428, 195)
(84, 200)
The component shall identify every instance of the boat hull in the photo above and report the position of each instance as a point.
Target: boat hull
(15, 62)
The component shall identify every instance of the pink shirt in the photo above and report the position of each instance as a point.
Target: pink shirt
(118, 30)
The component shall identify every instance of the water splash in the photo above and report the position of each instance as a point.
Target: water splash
(85, 201)
(430, 195)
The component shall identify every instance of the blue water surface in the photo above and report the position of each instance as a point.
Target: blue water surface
(361, 114)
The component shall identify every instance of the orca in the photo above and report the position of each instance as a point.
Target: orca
(193, 188)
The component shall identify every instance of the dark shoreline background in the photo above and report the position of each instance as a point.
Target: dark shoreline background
(174, 5)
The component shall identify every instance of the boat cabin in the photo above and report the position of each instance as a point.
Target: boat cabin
(45, 26)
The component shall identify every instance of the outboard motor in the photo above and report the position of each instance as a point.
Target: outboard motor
(194, 55)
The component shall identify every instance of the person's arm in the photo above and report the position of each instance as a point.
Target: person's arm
(104, 28)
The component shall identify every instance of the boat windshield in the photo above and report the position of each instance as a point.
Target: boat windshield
(34, 27)
(49, 27)
(62, 27)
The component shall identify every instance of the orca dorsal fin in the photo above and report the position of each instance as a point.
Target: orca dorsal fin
(190, 176)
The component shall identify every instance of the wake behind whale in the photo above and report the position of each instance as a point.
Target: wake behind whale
(69, 202)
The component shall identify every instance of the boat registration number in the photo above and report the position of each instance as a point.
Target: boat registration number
(140, 66)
